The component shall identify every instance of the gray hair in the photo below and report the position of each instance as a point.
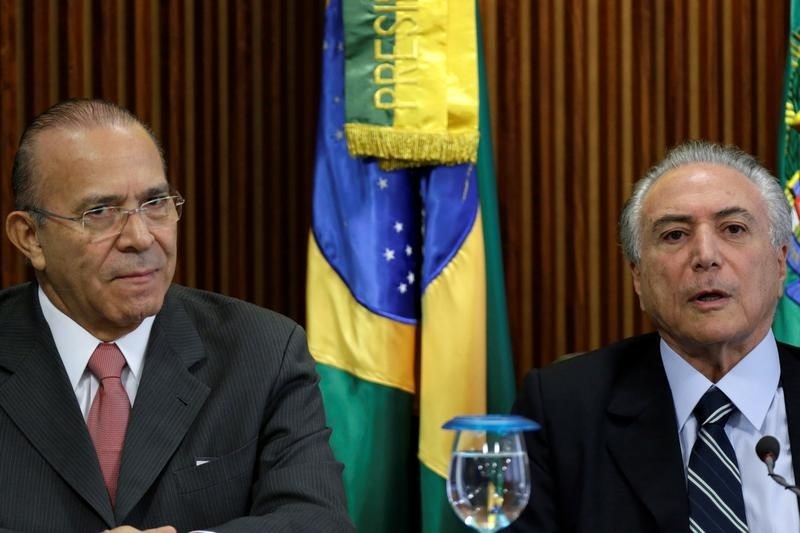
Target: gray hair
(779, 211)
(73, 113)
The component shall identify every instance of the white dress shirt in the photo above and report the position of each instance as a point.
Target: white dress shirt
(75, 346)
(753, 386)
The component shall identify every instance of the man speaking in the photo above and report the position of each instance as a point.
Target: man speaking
(657, 433)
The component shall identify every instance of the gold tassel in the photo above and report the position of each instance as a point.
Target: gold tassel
(398, 149)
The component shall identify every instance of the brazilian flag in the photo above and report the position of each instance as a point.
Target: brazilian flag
(405, 293)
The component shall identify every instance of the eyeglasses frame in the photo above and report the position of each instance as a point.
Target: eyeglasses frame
(176, 198)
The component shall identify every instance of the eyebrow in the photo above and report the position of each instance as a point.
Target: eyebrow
(719, 215)
(114, 199)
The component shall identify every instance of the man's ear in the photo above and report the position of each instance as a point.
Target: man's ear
(783, 253)
(636, 274)
(22, 232)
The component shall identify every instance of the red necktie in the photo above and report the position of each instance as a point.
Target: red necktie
(108, 416)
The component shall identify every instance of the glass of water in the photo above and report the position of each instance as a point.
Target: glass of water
(489, 482)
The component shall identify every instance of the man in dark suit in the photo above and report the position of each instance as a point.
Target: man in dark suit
(625, 445)
(125, 401)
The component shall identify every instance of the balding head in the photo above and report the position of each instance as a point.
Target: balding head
(77, 113)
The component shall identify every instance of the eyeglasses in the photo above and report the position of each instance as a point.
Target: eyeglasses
(103, 222)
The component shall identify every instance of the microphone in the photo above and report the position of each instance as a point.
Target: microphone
(768, 450)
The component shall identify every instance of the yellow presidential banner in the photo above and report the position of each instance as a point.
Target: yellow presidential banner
(411, 81)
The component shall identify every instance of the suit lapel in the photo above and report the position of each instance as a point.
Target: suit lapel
(167, 402)
(643, 439)
(790, 380)
(37, 396)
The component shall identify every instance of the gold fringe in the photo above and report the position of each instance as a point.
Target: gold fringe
(397, 164)
(398, 149)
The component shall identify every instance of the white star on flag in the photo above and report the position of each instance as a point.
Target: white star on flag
(388, 254)
(398, 226)
(409, 250)
(383, 183)
(402, 288)
(410, 278)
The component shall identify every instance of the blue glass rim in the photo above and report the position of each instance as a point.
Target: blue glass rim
(492, 423)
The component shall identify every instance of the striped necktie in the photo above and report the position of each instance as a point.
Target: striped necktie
(716, 504)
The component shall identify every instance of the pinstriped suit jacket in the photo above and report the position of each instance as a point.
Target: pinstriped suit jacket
(223, 381)
(607, 458)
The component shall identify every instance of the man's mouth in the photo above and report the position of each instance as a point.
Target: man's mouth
(136, 275)
(709, 296)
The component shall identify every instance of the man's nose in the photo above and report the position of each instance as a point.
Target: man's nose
(705, 249)
(135, 233)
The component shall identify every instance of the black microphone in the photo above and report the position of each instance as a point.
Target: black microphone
(768, 450)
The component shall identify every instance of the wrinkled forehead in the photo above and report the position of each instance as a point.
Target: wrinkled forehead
(702, 189)
(91, 140)
(74, 159)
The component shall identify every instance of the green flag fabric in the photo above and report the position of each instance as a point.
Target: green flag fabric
(787, 318)
(500, 386)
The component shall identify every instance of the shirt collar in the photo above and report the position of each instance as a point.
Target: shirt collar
(750, 385)
(76, 345)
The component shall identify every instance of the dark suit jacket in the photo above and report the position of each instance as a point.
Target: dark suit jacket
(607, 458)
(223, 380)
